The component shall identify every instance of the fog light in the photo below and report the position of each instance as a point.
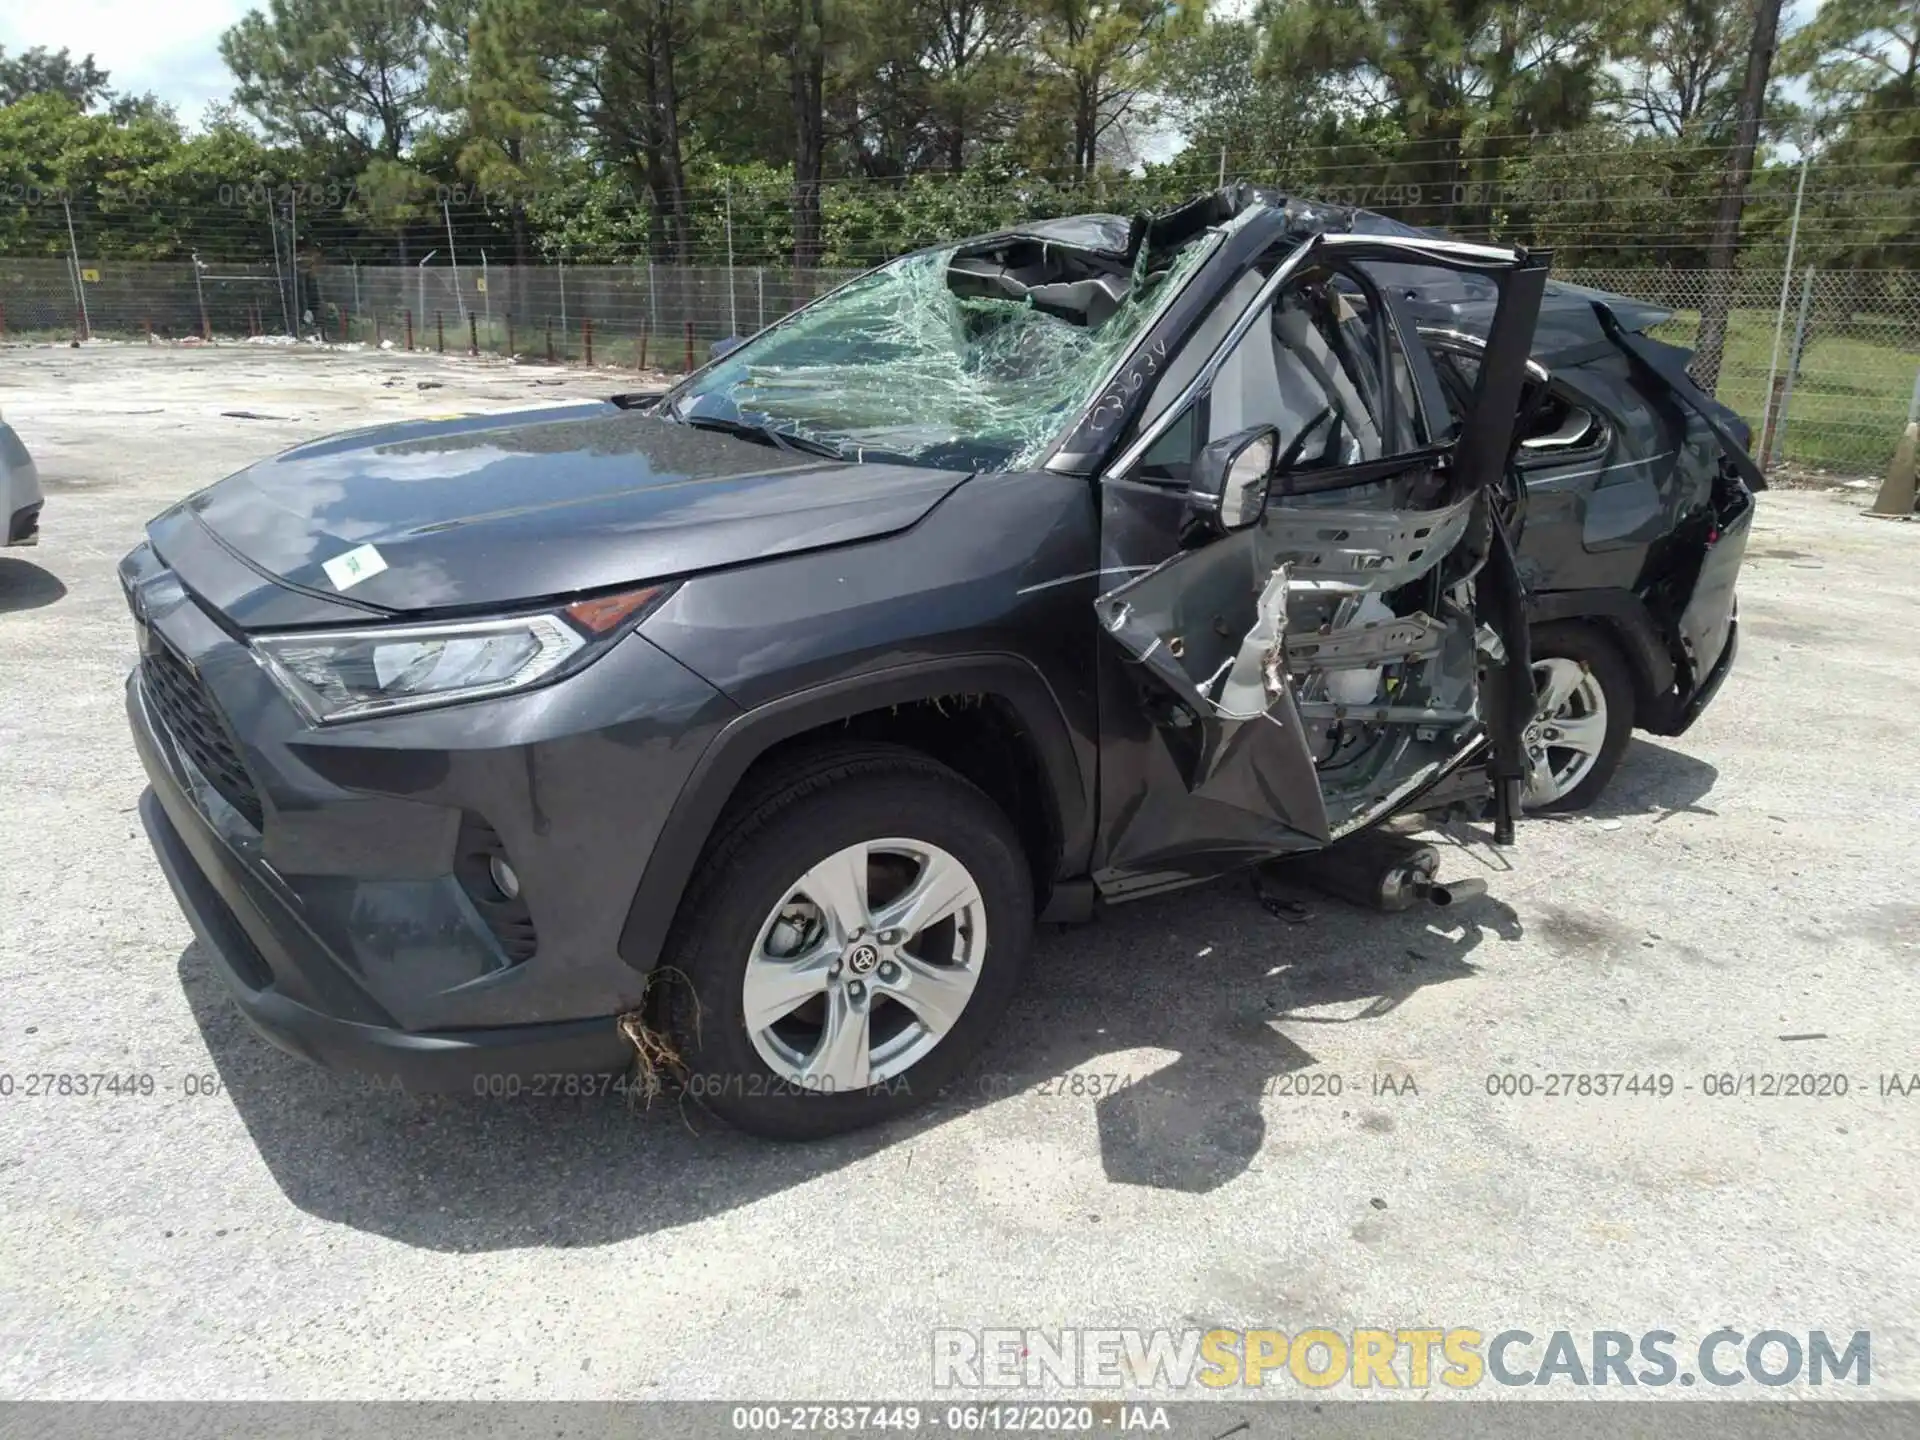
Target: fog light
(504, 878)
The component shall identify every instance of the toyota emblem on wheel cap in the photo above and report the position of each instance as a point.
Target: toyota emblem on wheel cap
(862, 958)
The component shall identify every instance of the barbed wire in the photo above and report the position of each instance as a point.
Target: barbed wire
(50, 205)
(754, 222)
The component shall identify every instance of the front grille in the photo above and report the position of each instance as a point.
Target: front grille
(188, 713)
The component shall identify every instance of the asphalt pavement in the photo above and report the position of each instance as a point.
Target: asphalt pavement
(1199, 1113)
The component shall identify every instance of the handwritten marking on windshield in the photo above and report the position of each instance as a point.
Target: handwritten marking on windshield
(1112, 405)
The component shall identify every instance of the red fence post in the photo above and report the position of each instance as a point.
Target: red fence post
(344, 330)
(586, 331)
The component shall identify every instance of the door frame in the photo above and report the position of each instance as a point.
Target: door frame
(1476, 458)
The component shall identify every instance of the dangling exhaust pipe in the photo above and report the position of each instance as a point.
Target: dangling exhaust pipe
(1381, 871)
(1456, 891)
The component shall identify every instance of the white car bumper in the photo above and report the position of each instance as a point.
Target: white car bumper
(19, 491)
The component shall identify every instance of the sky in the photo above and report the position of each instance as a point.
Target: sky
(170, 47)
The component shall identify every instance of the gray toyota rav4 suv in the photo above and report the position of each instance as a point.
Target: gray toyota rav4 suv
(754, 726)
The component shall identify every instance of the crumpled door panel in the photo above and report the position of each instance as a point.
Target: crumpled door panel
(1202, 629)
(1294, 687)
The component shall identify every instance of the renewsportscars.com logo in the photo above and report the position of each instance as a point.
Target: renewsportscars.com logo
(1389, 1359)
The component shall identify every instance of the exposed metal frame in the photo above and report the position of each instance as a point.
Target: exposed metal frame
(1475, 342)
(1453, 254)
(1203, 378)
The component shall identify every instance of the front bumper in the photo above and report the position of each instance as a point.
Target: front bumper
(466, 1060)
(216, 889)
(20, 496)
(337, 898)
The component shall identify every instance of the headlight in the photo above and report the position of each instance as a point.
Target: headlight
(346, 674)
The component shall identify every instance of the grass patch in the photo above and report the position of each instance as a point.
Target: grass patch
(1850, 399)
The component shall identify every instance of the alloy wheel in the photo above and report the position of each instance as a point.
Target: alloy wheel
(1569, 729)
(865, 965)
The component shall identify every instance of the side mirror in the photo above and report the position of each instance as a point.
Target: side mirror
(1230, 479)
(726, 346)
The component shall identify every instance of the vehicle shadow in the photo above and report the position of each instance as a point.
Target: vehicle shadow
(1654, 780)
(1206, 973)
(25, 586)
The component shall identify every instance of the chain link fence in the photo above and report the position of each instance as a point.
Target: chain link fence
(645, 316)
(1825, 366)
(571, 314)
(43, 299)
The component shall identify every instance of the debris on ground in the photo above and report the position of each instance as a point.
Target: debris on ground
(656, 1060)
(1278, 906)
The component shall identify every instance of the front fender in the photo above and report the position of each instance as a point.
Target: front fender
(747, 737)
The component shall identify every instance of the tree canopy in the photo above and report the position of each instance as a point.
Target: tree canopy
(841, 131)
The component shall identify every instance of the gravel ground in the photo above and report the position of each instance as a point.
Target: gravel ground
(254, 1228)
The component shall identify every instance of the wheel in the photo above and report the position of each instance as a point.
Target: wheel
(1583, 719)
(857, 930)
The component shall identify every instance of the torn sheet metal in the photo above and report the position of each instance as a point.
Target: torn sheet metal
(1234, 733)
(1363, 550)
(1298, 689)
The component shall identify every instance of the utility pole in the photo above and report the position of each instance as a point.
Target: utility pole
(1712, 339)
(200, 293)
(453, 258)
(422, 270)
(79, 280)
(293, 253)
(1780, 315)
(733, 310)
(279, 275)
(1779, 450)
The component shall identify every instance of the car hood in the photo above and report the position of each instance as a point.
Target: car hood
(492, 510)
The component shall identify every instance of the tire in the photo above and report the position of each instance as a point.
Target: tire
(750, 915)
(1605, 692)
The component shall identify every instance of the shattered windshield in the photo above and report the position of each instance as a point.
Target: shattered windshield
(971, 357)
